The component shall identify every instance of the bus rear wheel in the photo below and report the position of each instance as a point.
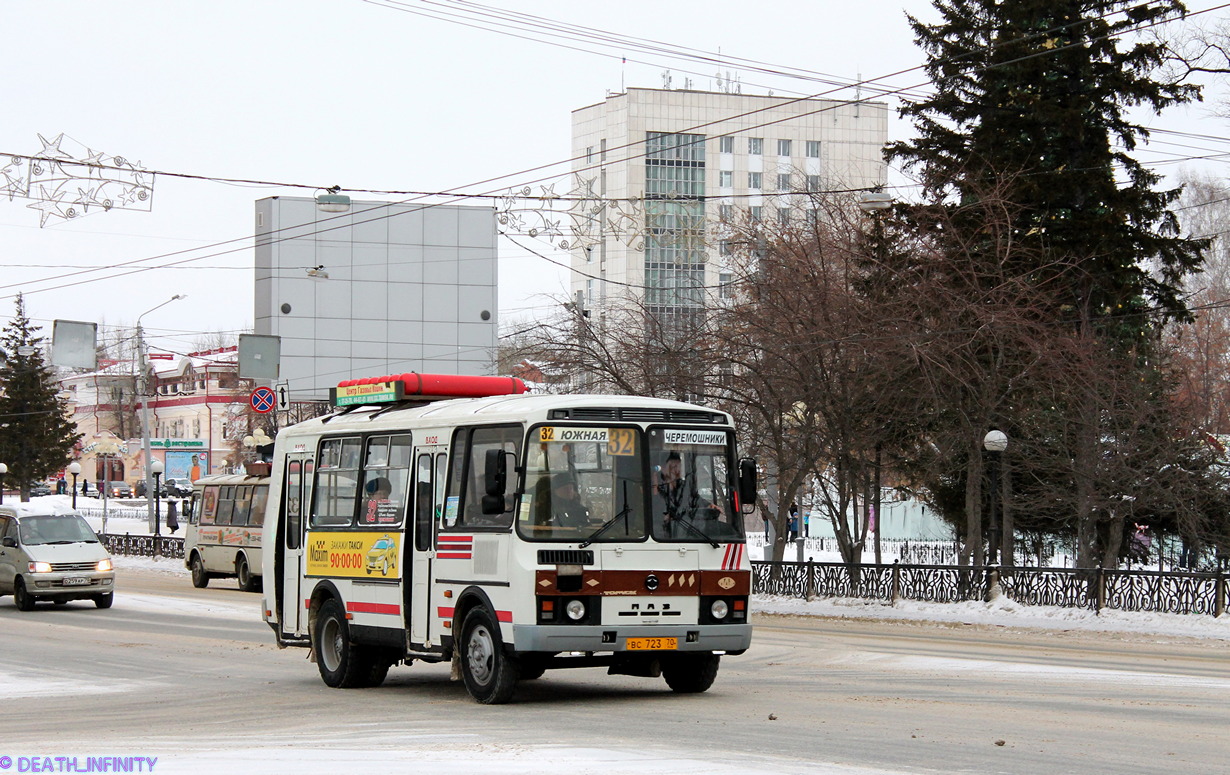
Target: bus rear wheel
(690, 673)
(490, 675)
(200, 579)
(342, 663)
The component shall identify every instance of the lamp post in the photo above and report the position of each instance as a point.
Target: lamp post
(874, 204)
(74, 469)
(4, 469)
(995, 442)
(254, 442)
(156, 468)
(144, 360)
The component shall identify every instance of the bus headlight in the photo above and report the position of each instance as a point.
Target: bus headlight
(575, 610)
(719, 609)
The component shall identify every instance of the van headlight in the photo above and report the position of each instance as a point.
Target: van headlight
(719, 609)
(575, 610)
(40, 567)
(105, 564)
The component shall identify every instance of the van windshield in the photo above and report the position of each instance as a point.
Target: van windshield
(62, 529)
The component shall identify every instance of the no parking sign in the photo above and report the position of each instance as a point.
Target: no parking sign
(263, 400)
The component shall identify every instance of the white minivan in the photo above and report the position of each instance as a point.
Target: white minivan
(48, 552)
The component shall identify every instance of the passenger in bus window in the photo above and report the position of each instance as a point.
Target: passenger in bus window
(566, 506)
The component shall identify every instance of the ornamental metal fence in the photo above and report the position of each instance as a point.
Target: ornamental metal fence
(1094, 589)
(143, 545)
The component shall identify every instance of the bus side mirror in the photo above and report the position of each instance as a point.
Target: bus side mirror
(747, 483)
(495, 472)
(10, 541)
(495, 481)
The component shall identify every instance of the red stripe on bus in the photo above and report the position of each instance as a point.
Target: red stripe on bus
(447, 539)
(503, 616)
(445, 613)
(454, 556)
(374, 608)
(726, 556)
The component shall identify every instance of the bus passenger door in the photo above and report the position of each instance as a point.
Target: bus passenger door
(296, 499)
(428, 482)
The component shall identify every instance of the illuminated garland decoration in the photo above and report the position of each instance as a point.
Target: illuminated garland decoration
(590, 216)
(65, 186)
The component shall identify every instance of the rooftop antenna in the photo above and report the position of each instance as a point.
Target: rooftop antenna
(666, 79)
(858, 94)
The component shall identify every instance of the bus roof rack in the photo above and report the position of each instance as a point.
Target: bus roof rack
(393, 388)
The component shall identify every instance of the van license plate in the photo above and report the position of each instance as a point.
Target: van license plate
(652, 644)
(75, 581)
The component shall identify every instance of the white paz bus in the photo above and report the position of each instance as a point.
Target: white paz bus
(509, 534)
(222, 537)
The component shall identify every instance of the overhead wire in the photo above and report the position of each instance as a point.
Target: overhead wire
(460, 195)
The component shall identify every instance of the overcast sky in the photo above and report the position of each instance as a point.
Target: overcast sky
(365, 95)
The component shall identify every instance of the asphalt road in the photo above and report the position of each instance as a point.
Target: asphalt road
(177, 668)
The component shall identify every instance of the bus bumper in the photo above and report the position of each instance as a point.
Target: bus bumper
(696, 637)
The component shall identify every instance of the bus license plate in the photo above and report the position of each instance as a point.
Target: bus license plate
(75, 581)
(652, 644)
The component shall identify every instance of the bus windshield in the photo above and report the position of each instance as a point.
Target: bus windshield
(691, 487)
(583, 484)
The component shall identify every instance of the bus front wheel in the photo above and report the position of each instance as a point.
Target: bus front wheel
(690, 673)
(490, 675)
(243, 573)
(200, 579)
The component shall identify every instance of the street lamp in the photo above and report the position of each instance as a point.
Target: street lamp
(995, 442)
(74, 470)
(874, 204)
(257, 440)
(4, 469)
(144, 360)
(156, 468)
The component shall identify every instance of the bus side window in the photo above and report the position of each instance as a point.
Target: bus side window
(294, 500)
(243, 503)
(423, 507)
(226, 504)
(260, 496)
(209, 504)
(337, 483)
(464, 504)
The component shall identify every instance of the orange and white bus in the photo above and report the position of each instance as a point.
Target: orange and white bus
(222, 537)
(441, 518)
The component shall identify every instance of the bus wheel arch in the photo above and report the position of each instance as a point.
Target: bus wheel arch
(243, 573)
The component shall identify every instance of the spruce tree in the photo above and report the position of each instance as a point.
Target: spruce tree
(36, 437)
(1032, 102)
(1036, 92)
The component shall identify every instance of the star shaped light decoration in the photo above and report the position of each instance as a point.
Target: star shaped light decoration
(591, 216)
(65, 182)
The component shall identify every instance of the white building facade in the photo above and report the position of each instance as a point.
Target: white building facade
(671, 164)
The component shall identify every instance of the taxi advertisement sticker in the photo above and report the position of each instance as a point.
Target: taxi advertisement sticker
(354, 555)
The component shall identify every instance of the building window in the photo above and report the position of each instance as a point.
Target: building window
(726, 179)
(813, 183)
(726, 144)
(783, 147)
(725, 285)
(813, 215)
(783, 216)
(783, 181)
(755, 212)
(813, 149)
(755, 146)
(724, 248)
(753, 180)
(589, 154)
(726, 212)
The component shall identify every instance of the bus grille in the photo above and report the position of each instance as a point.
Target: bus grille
(565, 557)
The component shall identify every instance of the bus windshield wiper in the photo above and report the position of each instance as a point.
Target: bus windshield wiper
(623, 514)
(688, 524)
